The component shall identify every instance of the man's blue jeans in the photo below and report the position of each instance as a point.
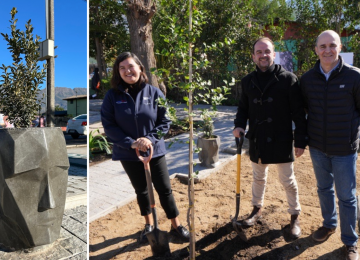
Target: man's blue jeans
(341, 171)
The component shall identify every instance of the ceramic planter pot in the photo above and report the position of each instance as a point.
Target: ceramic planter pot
(209, 154)
(33, 181)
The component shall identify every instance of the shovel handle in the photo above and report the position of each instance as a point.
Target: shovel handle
(145, 160)
(239, 143)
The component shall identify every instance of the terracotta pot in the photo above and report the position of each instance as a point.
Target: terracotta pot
(33, 181)
(209, 154)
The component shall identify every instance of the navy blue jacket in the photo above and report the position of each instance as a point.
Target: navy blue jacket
(333, 108)
(124, 120)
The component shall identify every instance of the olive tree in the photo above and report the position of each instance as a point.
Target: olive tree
(21, 80)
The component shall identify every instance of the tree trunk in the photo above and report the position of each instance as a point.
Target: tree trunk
(139, 14)
(100, 51)
(99, 58)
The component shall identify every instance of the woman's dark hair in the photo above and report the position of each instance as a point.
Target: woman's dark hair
(116, 79)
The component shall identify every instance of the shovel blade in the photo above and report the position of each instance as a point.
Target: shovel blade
(239, 230)
(159, 242)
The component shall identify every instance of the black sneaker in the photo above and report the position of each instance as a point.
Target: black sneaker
(143, 238)
(181, 232)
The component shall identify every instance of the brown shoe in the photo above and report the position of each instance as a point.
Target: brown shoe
(322, 234)
(351, 253)
(254, 216)
(295, 229)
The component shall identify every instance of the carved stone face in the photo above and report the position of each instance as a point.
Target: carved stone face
(33, 182)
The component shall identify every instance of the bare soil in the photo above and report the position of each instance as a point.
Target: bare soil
(115, 236)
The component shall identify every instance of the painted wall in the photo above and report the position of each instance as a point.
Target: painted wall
(77, 107)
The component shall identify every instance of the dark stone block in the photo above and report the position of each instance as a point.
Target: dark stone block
(33, 181)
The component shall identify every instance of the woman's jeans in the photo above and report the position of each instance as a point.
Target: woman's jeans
(160, 178)
(341, 171)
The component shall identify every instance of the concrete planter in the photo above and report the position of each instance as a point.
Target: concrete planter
(209, 154)
(33, 181)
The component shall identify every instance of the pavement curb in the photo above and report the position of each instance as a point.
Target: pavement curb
(206, 173)
(76, 145)
(111, 209)
(75, 162)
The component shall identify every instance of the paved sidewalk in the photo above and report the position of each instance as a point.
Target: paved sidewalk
(72, 243)
(77, 181)
(109, 186)
(76, 194)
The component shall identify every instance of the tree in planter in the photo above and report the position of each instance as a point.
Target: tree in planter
(21, 81)
(209, 144)
(214, 97)
(34, 166)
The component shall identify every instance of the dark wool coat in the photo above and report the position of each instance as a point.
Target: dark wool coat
(270, 113)
(125, 120)
(333, 109)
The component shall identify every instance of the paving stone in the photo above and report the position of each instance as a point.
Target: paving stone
(80, 256)
(73, 245)
(70, 212)
(70, 224)
(64, 234)
(81, 217)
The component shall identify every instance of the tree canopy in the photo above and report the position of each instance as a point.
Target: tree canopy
(21, 80)
(222, 35)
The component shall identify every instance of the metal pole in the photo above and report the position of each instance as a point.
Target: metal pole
(76, 103)
(50, 80)
(191, 179)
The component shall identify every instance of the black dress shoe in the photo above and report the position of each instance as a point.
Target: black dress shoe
(143, 238)
(181, 232)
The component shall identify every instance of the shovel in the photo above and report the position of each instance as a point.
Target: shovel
(157, 239)
(237, 225)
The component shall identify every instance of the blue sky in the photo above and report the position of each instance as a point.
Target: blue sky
(70, 36)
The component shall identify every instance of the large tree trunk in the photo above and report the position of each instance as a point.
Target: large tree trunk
(99, 50)
(100, 58)
(139, 14)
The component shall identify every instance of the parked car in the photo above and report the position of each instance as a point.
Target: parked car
(77, 126)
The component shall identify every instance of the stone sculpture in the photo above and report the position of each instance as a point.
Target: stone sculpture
(33, 182)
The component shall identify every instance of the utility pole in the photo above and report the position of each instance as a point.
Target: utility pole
(76, 103)
(50, 80)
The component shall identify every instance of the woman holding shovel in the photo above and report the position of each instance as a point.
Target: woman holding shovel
(132, 120)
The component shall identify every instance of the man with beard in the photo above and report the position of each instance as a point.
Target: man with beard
(332, 99)
(271, 100)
